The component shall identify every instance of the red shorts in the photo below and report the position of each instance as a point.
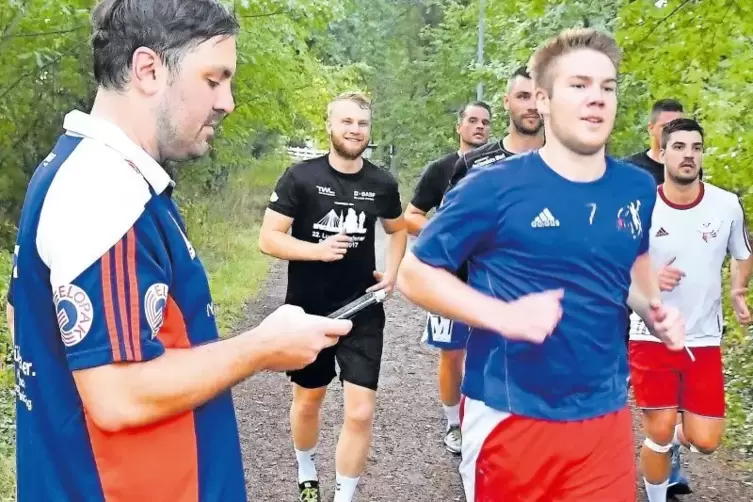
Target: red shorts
(663, 378)
(508, 458)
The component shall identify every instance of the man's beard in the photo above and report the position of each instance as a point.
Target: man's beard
(475, 143)
(345, 149)
(683, 179)
(174, 147)
(520, 126)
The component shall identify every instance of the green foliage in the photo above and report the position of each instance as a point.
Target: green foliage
(419, 61)
(225, 232)
(281, 87)
(696, 52)
(7, 396)
(43, 42)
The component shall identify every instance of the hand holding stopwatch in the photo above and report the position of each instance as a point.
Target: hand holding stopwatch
(357, 305)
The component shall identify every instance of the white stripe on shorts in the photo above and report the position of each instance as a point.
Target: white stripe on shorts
(479, 421)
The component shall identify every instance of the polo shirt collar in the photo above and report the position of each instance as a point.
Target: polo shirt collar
(83, 124)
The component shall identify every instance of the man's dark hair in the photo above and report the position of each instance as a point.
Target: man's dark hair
(480, 104)
(665, 105)
(681, 124)
(521, 71)
(169, 27)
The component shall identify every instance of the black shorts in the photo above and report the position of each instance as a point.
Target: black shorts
(359, 355)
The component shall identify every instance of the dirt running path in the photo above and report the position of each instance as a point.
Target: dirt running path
(407, 460)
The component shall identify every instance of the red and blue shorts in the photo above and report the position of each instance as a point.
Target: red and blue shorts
(509, 458)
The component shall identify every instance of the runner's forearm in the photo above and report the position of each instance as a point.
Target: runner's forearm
(740, 271)
(415, 221)
(643, 287)
(442, 293)
(397, 242)
(286, 247)
(121, 396)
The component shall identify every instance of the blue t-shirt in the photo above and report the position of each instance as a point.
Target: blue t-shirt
(523, 228)
(104, 273)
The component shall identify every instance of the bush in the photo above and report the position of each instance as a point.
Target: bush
(738, 370)
(224, 228)
(7, 399)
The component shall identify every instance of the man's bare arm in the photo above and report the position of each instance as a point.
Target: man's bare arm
(740, 272)
(121, 396)
(415, 219)
(398, 240)
(274, 239)
(644, 287)
(125, 395)
(442, 293)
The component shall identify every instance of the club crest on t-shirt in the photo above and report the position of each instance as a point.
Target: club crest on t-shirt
(709, 230)
(629, 219)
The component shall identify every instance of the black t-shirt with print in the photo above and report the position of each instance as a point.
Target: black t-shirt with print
(481, 156)
(322, 202)
(433, 183)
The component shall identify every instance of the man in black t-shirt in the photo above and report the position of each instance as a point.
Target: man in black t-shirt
(473, 125)
(332, 204)
(662, 112)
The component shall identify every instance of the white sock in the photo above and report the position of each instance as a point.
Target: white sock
(452, 413)
(656, 493)
(676, 439)
(306, 465)
(345, 488)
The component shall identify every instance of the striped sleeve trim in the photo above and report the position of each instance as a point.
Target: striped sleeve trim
(120, 291)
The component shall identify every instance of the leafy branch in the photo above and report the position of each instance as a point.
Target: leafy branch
(662, 21)
(49, 63)
(33, 34)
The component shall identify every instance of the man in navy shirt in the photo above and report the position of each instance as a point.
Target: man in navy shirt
(552, 239)
(122, 381)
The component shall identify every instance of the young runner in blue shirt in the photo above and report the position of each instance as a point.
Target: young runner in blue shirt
(552, 239)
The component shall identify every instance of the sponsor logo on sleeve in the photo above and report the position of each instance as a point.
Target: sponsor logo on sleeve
(155, 303)
(74, 312)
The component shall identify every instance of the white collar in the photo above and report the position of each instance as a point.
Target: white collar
(79, 123)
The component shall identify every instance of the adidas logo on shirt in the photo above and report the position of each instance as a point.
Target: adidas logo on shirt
(661, 232)
(545, 219)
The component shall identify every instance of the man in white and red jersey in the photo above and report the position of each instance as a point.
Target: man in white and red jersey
(694, 226)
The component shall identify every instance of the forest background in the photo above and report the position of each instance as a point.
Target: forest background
(418, 59)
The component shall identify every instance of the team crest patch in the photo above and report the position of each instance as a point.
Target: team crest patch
(155, 302)
(74, 312)
(629, 219)
(709, 230)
